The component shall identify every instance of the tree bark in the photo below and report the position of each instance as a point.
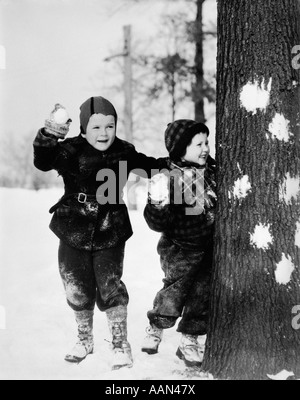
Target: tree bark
(256, 278)
(199, 73)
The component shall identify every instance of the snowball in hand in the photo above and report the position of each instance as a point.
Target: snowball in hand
(159, 189)
(59, 115)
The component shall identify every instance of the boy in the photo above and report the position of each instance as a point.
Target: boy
(182, 204)
(92, 234)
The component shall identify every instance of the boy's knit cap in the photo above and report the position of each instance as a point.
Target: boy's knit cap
(179, 134)
(95, 105)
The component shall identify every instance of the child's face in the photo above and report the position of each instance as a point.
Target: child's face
(198, 150)
(101, 131)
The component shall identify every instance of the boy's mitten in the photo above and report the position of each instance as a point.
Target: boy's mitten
(58, 123)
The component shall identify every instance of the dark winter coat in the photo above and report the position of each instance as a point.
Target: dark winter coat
(187, 231)
(82, 222)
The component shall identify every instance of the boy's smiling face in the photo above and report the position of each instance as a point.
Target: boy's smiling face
(101, 131)
(198, 150)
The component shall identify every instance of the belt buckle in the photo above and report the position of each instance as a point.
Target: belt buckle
(82, 198)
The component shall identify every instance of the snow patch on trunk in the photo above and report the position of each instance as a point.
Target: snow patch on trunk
(280, 128)
(281, 376)
(297, 236)
(241, 187)
(289, 189)
(261, 238)
(284, 270)
(255, 97)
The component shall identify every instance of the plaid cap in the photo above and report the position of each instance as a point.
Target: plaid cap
(179, 134)
(95, 105)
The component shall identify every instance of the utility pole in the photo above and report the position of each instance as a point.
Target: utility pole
(128, 124)
(128, 84)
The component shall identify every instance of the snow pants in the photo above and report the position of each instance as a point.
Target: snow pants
(186, 290)
(93, 277)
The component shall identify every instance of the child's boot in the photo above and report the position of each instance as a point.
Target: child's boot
(152, 340)
(201, 346)
(188, 351)
(85, 344)
(117, 322)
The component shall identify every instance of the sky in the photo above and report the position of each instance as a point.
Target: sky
(55, 51)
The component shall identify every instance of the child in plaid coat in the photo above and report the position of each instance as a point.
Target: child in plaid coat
(181, 205)
(92, 232)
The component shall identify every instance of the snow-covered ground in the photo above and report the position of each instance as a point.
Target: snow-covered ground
(39, 326)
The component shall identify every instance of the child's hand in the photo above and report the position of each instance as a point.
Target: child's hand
(159, 190)
(58, 123)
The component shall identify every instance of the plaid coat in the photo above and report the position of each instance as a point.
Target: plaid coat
(79, 220)
(188, 231)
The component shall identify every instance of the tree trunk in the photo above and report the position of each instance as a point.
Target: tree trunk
(199, 73)
(256, 279)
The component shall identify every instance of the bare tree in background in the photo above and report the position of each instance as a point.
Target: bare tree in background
(253, 329)
(176, 69)
(174, 72)
(199, 72)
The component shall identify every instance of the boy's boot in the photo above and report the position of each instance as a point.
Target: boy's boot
(188, 351)
(117, 322)
(201, 346)
(85, 343)
(152, 340)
